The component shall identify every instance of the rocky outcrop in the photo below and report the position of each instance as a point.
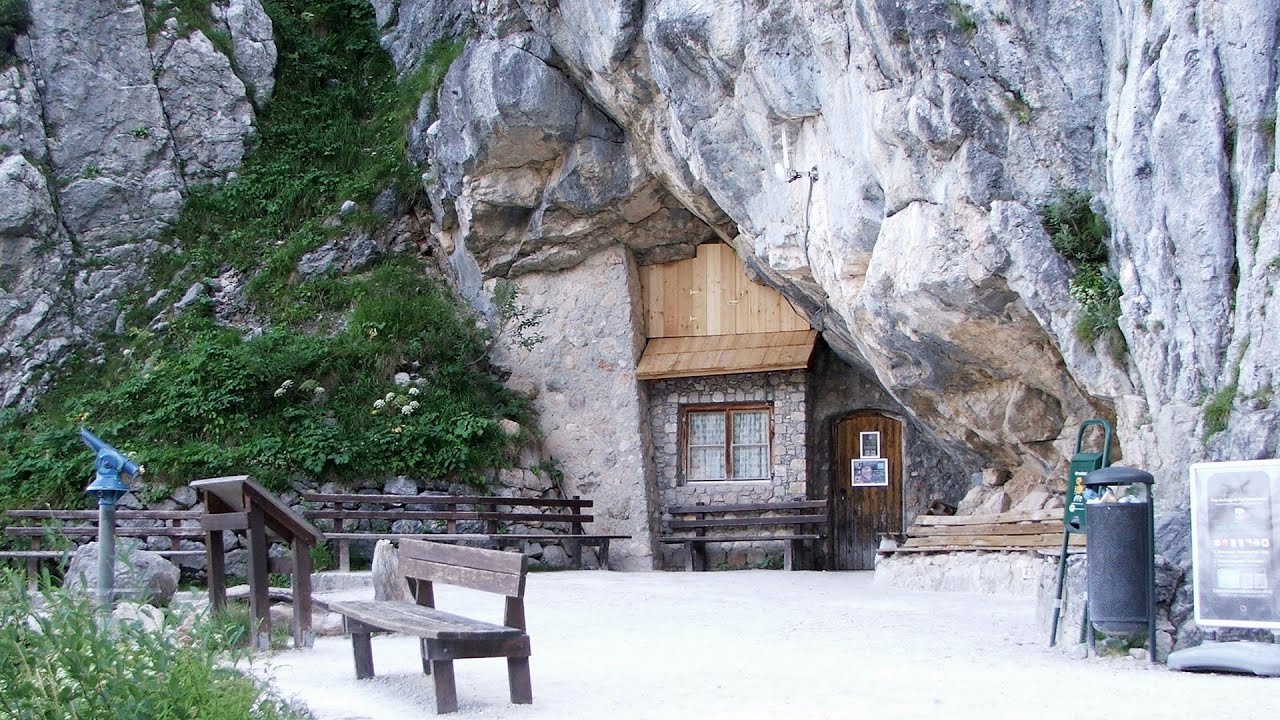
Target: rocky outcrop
(139, 576)
(884, 165)
(253, 42)
(103, 128)
(209, 114)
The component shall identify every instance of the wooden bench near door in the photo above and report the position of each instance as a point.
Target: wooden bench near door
(445, 637)
(793, 522)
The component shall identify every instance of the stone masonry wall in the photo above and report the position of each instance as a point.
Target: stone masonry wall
(785, 391)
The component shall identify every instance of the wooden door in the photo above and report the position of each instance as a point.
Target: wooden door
(861, 510)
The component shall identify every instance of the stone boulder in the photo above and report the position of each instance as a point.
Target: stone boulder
(140, 576)
(388, 583)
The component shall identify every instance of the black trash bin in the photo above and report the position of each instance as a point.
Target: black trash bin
(1118, 558)
(1121, 556)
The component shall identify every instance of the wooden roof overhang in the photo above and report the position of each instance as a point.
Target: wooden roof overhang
(695, 356)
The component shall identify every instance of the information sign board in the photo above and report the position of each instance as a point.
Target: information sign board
(1235, 543)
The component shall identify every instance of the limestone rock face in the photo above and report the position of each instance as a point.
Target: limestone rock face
(923, 139)
(209, 115)
(102, 131)
(35, 255)
(253, 43)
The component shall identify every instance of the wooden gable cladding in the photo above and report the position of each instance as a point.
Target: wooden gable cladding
(711, 295)
(725, 354)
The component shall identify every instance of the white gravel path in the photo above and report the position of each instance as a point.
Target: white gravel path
(764, 644)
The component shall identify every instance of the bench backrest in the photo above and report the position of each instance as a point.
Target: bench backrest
(492, 571)
(84, 523)
(449, 509)
(793, 512)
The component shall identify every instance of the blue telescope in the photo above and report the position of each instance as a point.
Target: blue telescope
(106, 485)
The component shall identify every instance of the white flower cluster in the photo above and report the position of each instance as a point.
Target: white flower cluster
(392, 401)
(284, 388)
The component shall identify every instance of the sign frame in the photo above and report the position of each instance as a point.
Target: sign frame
(1235, 543)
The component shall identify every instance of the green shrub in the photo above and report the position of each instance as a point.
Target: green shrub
(1080, 235)
(202, 401)
(1077, 232)
(61, 663)
(14, 19)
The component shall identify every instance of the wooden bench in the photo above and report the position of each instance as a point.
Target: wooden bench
(1010, 531)
(80, 526)
(445, 637)
(793, 522)
(490, 513)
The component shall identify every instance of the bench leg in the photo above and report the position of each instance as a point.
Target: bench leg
(426, 663)
(519, 680)
(575, 554)
(364, 655)
(604, 554)
(788, 554)
(446, 693)
(688, 557)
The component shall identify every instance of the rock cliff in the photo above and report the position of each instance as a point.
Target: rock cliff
(883, 164)
(112, 112)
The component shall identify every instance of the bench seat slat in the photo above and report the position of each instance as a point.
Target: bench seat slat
(419, 620)
(732, 522)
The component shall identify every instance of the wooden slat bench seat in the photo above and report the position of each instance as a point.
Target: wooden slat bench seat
(81, 526)
(793, 522)
(1011, 531)
(487, 514)
(445, 637)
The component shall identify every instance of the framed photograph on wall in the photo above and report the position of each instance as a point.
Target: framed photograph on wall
(870, 473)
(869, 445)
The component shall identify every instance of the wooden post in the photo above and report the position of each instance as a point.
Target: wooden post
(363, 651)
(33, 567)
(302, 634)
(519, 681)
(604, 554)
(259, 587)
(215, 555)
(344, 546)
(446, 691)
(424, 595)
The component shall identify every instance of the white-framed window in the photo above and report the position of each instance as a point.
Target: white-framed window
(727, 442)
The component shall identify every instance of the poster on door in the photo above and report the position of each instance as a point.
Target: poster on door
(1235, 519)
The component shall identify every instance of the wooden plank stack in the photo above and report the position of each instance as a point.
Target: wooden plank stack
(1021, 530)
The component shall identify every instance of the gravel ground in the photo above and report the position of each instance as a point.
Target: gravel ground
(763, 644)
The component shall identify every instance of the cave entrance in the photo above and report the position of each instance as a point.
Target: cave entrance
(866, 487)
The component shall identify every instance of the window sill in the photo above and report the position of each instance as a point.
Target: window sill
(703, 483)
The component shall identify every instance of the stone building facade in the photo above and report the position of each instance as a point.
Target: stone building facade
(785, 396)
